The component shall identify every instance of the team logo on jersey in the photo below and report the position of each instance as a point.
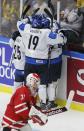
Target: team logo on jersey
(39, 61)
(22, 96)
(35, 31)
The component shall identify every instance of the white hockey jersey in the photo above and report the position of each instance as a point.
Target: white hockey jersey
(36, 41)
(19, 56)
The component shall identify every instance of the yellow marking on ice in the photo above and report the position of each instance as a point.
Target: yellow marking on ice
(6, 89)
(77, 106)
(60, 102)
(74, 105)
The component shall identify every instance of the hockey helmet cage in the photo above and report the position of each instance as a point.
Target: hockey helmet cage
(32, 79)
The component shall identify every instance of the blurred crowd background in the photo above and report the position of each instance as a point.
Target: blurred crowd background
(10, 13)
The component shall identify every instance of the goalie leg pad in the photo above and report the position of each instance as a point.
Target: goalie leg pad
(26, 128)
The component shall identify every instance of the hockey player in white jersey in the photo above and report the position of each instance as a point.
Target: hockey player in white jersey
(18, 58)
(36, 41)
(55, 66)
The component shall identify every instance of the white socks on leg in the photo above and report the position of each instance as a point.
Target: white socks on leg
(42, 93)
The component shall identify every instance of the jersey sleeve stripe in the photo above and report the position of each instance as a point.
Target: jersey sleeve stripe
(19, 111)
(11, 120)
(20, 105)
(7, 120)
(5, 124)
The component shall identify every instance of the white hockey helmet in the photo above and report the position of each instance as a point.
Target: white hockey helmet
(33, 81)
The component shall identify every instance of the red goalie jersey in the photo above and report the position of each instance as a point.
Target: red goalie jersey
(17, 112)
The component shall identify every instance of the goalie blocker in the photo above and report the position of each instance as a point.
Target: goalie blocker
(37, 116)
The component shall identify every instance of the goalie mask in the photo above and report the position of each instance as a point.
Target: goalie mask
(33, 81)
(40, 21)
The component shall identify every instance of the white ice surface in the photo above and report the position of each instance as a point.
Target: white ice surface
(68, 121)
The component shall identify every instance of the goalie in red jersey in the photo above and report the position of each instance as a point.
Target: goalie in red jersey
(22, 107)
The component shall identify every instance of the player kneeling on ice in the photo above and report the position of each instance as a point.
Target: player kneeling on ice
(22, 107)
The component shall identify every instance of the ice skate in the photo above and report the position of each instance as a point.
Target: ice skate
(43, 106)
(51, 105)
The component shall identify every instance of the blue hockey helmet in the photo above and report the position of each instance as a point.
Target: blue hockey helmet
(40, 21)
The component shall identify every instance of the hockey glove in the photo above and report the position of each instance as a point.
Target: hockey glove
(15, 35)
(52, 35)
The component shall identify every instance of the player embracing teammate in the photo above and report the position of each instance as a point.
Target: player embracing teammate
(37, 57)
(35, 39)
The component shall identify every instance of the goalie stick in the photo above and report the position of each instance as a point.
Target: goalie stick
(62, 109)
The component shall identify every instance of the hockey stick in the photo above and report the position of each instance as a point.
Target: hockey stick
(49, 15)
(50, 47)
(62, 109)
(35, 11)
(58, 11)
(26, 9)
(50, 5)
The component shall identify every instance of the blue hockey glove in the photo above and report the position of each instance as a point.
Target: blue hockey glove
(52, 35)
